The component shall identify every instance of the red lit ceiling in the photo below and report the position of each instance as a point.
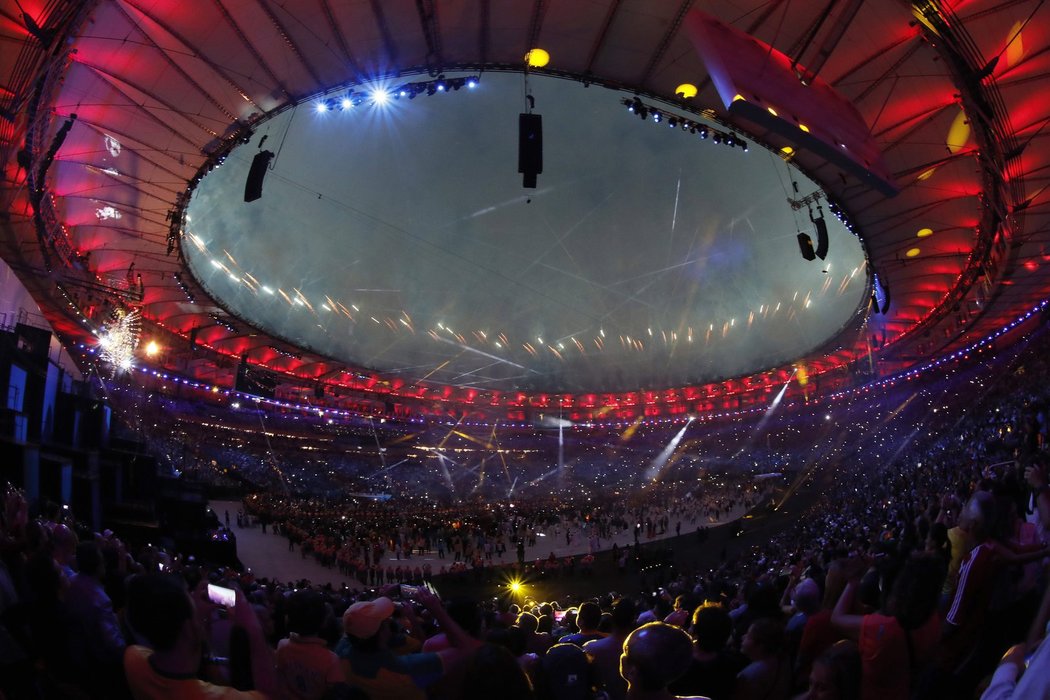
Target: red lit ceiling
(954, 95)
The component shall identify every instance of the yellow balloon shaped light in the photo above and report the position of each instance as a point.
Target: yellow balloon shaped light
(537, 58)
(686, 90)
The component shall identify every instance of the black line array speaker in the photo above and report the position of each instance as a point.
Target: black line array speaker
(253, 185)
(805, 245)
(530, 148)
(822, 237)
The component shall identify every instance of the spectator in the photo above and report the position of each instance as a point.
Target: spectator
(714, 666)
(682, 615)
(1024, 672)
(64, 544)
(565, 674)
(535, 642)
(836, 674)
(368, 657)
(96, 643)
(962, 653)
(654, 656)
(605, 653)
(819, 634)
(306, 668)
(467, 615)
(493, 672)
(805, 599)
(588, 617)
(163, 615)
(768, 676)
(896, 642)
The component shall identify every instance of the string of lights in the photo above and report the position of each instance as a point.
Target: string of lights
(185, 288)
(328, 412)
(380, 95)
(644, 112)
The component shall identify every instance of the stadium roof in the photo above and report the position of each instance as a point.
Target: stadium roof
(651, 234)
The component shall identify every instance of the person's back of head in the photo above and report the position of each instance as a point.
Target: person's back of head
(306, 612)
(978, 515)
(688, 601)
(527, 622)
(807, 596)
(655, 655)
(765, 637)
(65, 543)
(493, 671)
(467, 614)
(513, 639)
(624, 616)
(661, 607)
(837, 672)
(916, 591)
(712, 627)
(158, 607)
(565, 673)
(89, 559)
(763, 600)
(588, 617)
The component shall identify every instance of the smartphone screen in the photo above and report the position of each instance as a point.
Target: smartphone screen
(220, 595)
(408, 591)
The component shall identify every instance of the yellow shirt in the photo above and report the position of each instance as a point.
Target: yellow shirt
(149, 684)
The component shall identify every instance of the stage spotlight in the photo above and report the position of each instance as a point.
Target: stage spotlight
(472, 83)
(347, 103)
(703, 132)
(717, 138)
(657, 117)
(672, 122)
(441, 85)
(380, 97)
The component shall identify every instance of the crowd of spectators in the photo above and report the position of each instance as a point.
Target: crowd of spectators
(377, 541)
(918, 570)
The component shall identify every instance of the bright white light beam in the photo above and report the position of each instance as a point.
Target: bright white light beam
(660, 461)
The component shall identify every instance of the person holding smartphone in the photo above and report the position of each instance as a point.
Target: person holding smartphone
(170, 626)
(368, 659)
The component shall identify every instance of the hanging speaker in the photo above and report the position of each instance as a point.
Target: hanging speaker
(822, 237)
(253, 185)
(530, 148)
(805, 246)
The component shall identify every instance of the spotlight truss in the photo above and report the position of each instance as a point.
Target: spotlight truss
(382, 95)
(645, 112)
